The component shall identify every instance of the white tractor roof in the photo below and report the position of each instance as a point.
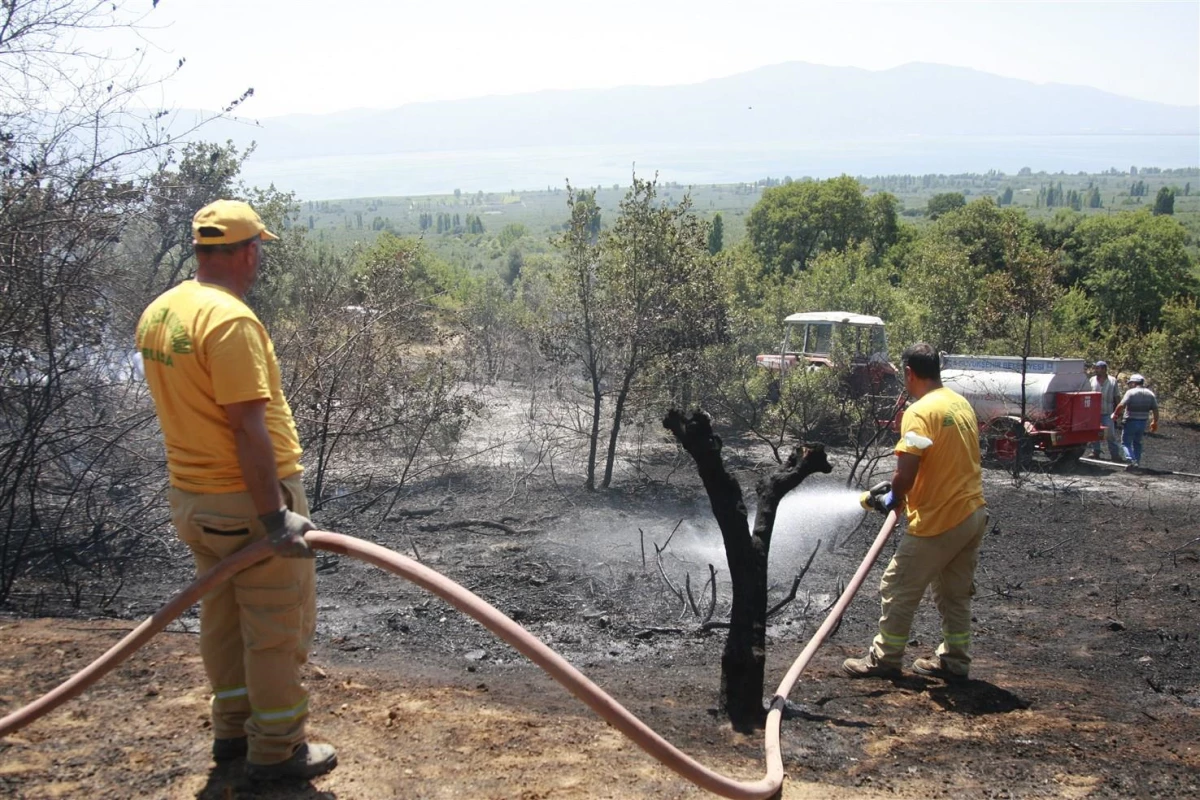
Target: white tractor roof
(833, 316)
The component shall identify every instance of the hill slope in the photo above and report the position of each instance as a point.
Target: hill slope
(781, 103)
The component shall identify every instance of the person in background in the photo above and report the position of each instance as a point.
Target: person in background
(1110, 395)
(234, 462)
(1137, 409)
(938, 484)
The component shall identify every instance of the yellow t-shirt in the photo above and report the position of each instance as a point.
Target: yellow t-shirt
(949, 485)
(202, 348)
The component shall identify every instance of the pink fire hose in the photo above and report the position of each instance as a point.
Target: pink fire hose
(525, 642)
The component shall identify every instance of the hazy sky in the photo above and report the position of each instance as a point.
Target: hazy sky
(303, 56)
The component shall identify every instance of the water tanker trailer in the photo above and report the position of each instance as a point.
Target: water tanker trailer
(1060, 415)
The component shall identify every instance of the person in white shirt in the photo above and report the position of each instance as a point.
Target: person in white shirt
(1110, 395)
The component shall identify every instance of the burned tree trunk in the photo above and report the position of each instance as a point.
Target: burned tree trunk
(744, 658)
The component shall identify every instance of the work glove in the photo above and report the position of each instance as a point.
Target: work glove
(285, 532)
(1154, 426)
(880, 497)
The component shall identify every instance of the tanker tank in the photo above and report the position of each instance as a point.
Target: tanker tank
(992, 384)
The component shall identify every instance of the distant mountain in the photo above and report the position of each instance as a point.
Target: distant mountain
(784, 103)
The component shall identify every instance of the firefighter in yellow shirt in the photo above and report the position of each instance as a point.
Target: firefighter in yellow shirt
(938, 485)
(234, 462)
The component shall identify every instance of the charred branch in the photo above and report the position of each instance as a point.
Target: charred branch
(663, 574)
(691, 598)
(773, 488)
(474, 523)
(712, 603)
(775, 609)
(647, 633)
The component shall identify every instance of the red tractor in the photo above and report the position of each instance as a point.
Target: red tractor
(823, 339)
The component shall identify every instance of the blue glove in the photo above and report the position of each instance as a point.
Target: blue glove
(881, 498)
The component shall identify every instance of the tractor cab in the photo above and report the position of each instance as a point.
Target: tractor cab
(820, 339)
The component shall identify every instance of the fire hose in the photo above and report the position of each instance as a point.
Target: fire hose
(505, 628)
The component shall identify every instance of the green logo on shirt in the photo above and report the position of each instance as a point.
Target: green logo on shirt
(181, 343)
(957, 416)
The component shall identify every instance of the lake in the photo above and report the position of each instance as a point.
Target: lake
(501, 170)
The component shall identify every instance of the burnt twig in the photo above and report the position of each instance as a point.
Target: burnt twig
(669, 538)
(663, 573)
(795, 584)
(646, 633)
(712, 604)
(687, 585)
(474, 523)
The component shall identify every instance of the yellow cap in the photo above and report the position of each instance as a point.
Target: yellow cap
(228, 222)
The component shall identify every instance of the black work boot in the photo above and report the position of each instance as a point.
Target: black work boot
(307, 761)
(229, 749)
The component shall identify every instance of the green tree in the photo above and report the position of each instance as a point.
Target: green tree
(883, 222)
(1072, 326)
(588, 199)
(791, 224)
(716, 235)
(661, 289)
(489, 329)
(398, 272)
(1164, 203)
(510, 233)
(572, 331)
(944, 284)
(354, 334)
(848, 281)
(1006, 197)
(944, 203)
(1170, 356)
(513, 265)
(1014, 298)
(980, 228)
(1131, 265)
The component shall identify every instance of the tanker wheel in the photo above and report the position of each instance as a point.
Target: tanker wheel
(1001, 442)
(1065, 456)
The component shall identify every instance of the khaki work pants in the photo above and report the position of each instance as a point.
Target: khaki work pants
(947, 562)
(256, 628)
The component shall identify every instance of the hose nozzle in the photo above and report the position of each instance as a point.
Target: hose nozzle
(878, 498)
